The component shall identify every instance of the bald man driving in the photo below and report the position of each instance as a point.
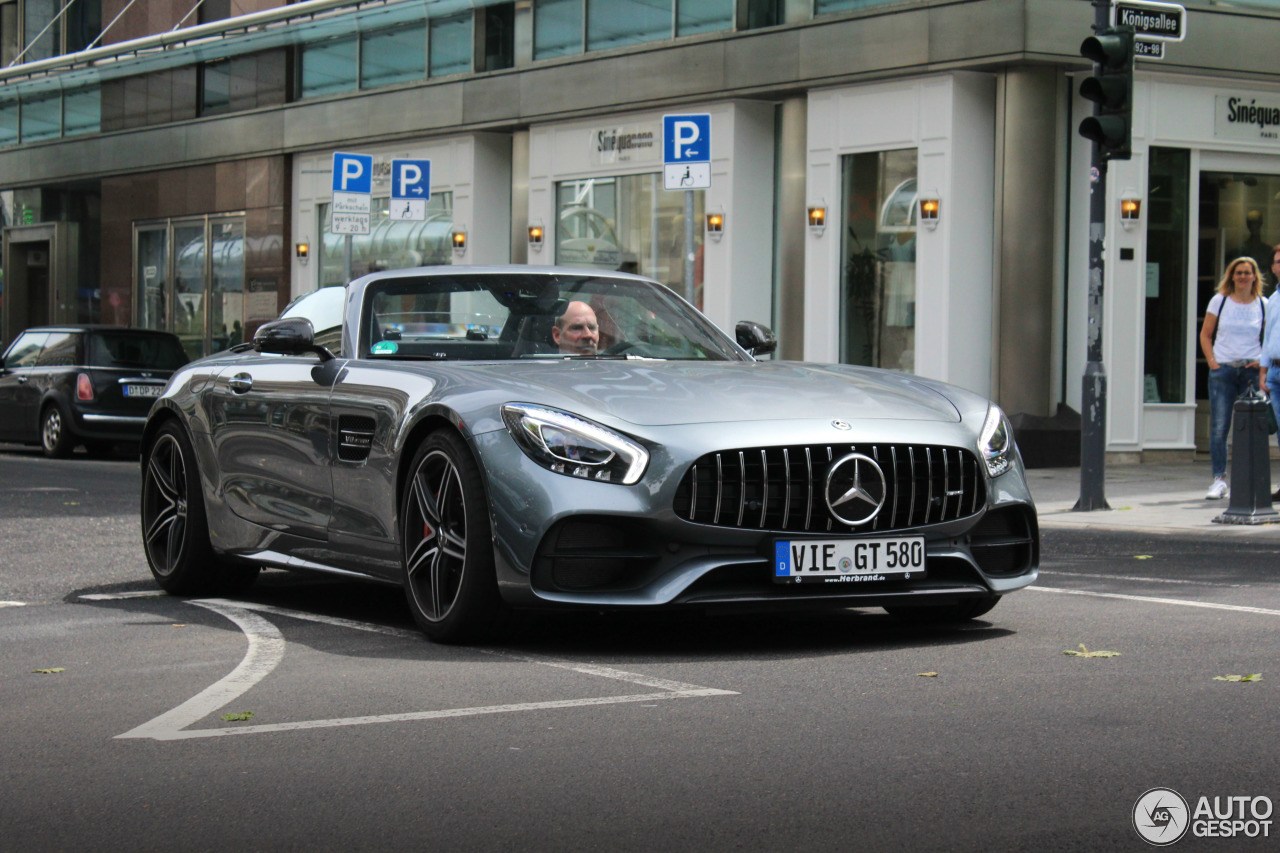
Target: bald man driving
(576, 331)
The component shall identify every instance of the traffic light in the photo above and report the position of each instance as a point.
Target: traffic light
(1111, 90)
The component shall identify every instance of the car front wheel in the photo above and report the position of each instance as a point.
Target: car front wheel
(55, 437)
(175, 530)
(449, 575)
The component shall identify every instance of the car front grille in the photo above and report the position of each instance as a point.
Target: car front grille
(782, 488)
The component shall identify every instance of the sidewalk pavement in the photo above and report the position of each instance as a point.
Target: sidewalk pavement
(1150, 498)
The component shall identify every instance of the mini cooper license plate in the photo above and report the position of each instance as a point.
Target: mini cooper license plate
(848, 560)
(143, 390)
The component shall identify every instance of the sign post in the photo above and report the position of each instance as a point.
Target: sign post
(352, 199)
(410, 190)
(686, 165)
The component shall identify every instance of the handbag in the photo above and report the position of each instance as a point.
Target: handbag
(1272, 426)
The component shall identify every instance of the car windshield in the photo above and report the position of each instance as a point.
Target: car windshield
(121, 349)
(488, 317)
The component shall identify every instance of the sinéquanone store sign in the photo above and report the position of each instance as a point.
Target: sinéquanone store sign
(1247, 117)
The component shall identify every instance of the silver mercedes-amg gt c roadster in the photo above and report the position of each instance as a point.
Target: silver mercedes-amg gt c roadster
(504, 438)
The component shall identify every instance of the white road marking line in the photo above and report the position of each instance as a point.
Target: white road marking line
(117, 596)
(1237, 608)
(266, 649)
(1105, 576)
(13, 604)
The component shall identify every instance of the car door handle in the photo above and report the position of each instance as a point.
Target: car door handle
(241, 383)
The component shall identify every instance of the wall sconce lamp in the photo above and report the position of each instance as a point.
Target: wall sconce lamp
(302, 251)
(930, 210)
(1130, 209)
(536, 235)
(459, 239)
(715, 225)
(817, 217)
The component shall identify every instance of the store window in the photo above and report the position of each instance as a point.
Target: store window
(631, 224)
(878, 260)
(1239, 217)
(823, 6)
(189, 279)
(391, 244)
(1168, 224)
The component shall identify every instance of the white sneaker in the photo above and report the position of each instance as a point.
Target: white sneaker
(1217, 491)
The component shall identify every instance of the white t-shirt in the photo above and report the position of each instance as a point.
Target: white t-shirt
(1239, 334)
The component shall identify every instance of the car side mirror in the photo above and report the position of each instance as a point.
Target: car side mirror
(290, 336)
(755, 338)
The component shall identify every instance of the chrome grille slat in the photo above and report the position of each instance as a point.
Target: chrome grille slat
(786, 500)
(764, 476)
(719, 488)
(920, 484)
(742, 486)
(808, 509)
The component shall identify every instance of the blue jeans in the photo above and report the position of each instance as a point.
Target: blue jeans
(1273, 386)
(1226, 384)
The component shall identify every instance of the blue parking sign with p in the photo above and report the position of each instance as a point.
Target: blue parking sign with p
(352, 173)
(411, 179)
(686, 138)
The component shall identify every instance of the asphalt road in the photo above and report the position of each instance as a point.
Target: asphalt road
(594, 732)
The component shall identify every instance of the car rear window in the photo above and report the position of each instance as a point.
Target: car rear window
(158, 352)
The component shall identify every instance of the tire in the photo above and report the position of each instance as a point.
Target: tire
(175, 529)
(446, 545)
(930, 614)
(55, 433)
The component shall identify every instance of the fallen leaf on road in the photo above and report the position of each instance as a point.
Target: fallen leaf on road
(1142, 556)
(1257, 676)
(1085, 653)
(238, 718)
(927, 674)
(53, 670)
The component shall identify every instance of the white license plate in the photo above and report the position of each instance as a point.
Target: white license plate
(848, 560)
(143, 390)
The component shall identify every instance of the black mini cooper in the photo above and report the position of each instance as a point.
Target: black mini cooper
(63, 386)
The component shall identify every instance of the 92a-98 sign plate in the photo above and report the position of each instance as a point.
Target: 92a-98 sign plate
(848, 560)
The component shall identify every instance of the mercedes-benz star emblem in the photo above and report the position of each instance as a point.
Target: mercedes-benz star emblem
(839, 424)
(856, 489)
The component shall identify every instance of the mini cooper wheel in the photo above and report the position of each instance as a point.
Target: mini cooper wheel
(175, 531)
(55, 436)
(447, 547)
(960, 611)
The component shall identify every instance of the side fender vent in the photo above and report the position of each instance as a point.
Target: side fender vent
(355, 438)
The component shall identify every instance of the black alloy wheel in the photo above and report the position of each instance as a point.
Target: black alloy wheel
(175, 531)
(55, 437)
(445, 536)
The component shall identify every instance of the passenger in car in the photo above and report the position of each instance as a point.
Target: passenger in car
(576, 331)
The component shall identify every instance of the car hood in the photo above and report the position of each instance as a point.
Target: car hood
(664, 393)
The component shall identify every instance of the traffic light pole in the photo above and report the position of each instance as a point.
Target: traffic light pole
(1093, 426)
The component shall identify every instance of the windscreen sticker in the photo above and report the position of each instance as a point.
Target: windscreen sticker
(385, 347)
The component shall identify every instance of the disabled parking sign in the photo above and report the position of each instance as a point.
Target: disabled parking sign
(686, 151)
(410, 189)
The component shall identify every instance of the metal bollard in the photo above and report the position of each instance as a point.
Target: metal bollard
(1250, 464)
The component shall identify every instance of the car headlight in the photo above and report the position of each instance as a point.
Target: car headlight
(995, 444)
(574, 446)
